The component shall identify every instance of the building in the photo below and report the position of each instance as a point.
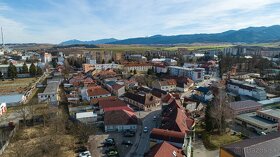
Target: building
(239, 107)
(256, 122)
(165, 85)
(196, 74)
(111, 104)
(173, 137)
(262, 146)
(138, 66)
(88, 118)
(166, 61)
(164, 149)
(242, 88)
(160, 68)
(47, 57)
(203, 94)
(97, 93)
(183, 84)
(141, 100)
(50, 93)
(136, 57)
(120, 120)
(270, 114)
(4, 68)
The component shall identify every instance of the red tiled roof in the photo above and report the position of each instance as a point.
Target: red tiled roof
(164, 149)
(106, 109)
(167, 98)
(117, 86)
(96, 100)
(167, 135)
(97, 91)
(120, 117)
(111, 103)
(168, 82)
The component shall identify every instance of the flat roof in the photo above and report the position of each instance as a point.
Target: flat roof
(272, 112)
(85, 115)
(254, 119)
(51, 87)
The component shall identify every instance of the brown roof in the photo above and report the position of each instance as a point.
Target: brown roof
(164, 149)
(168, 82)
(145, 99)
(120, 117)
(111, 103)
(96, 100)
(167, 135)
(98, 91)
(117, 86)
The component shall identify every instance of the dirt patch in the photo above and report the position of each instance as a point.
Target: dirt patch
(18, 85)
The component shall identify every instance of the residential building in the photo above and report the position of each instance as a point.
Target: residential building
(112, 104)
(97, 93)
(88, 118)
(183, 84)
(261, 146)
(160, 68)
(136, 57)
(141, 100)
(138, 66)
(47, 57)
(203, 94)
(50, 93)
(173, 137)
(165, 85)
(256, 122)
(166, 61)
(164, 149)
(196, 74)
(242, 88)
(239, 107)
(120, 120)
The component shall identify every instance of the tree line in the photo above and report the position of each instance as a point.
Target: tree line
(33, 70)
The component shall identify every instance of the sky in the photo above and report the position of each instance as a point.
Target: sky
(54, 21)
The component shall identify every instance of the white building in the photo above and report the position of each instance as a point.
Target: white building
(167, 61)
(88, 118)
(242, 88)
(47, 57)
(106, 66)
(196, 74)
(50, 93)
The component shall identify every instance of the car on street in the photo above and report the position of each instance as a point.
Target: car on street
(85, 154)
(155, 118)
(145, 130)
(128, 143)
(109, 142)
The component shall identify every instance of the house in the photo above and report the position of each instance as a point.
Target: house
(173, 137)
(261, 146)
(203, 94)
(166, 61)
(239, 107)
(120, 120)
(50, 93)
(113, 104)
(160, 68)
(142, 100)
(183, 84)
(242, 88)
(192, 105)
(130, 83)
(115, 86)
(165, 85)
(97, 93)
(164, 149)
(88, 118)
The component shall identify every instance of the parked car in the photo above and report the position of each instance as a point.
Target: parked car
(85, 154)
(109, 142)
(128, 133)
(145, 130)
(155, 118)
(129, 143)
(113, 153)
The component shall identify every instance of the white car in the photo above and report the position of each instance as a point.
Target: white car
(85, 154)
(145, 130)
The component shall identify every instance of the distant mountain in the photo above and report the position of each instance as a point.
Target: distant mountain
(247, 35)
(92, 42)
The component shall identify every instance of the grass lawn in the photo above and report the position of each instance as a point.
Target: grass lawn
(18, 85)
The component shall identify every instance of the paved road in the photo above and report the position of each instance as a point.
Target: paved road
(142, 142)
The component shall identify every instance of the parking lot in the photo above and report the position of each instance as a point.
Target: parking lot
(96, 143)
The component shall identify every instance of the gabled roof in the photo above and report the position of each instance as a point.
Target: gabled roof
(97, 92)
(117, 86)
(169, 82)
(164, 149)
(244, 104)
(167, 135)
(261, 146)
(120, 117)
(111, 103)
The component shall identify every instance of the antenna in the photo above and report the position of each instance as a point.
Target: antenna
(2, 37)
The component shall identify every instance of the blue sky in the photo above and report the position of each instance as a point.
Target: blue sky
(53, 21)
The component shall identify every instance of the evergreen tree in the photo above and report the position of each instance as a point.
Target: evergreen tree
(39, 71)
(208, 119)
(135, 72)
(32, 70)
(1, 75)
(103, 61)
(12, 71)
(24, 68)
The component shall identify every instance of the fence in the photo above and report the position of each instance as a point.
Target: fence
(11, 135)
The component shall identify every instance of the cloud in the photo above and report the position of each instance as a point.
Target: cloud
(54, 21)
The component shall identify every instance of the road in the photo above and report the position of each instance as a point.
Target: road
(142, 142)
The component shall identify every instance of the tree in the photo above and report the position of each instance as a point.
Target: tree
(208, 119)
(12, 71)
(1, 75)
(39, 71)
(24, 68)
(32, 70)
(103, 61)
(135, 72)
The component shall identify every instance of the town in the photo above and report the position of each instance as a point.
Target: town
(181, 101)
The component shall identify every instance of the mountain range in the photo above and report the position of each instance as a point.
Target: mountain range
(92, 42)
(247, 35)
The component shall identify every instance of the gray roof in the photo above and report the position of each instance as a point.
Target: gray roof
(244, 104)
(272, 112)
(252, 118)
(261, 146)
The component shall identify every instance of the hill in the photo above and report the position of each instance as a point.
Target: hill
(247, 35)
(92, 42)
